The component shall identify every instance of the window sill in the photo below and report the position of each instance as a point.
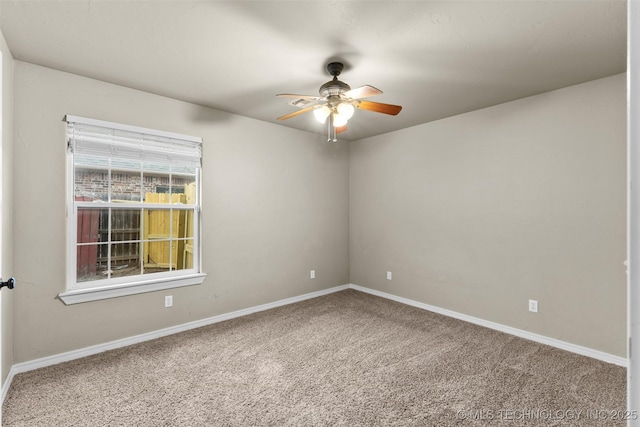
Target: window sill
(77, 296)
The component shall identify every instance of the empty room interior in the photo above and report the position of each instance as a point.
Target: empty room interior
(452, 252)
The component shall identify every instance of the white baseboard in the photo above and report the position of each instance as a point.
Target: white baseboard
(584, 351)
(88, 351)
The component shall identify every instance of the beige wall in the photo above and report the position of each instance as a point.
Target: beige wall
(480, 212)
(7, 207)
(275, 205)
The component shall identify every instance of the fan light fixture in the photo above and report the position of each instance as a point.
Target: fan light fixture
(340, 114)
(338, 117)
(337, 102)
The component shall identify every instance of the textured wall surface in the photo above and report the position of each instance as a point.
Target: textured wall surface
(274, 206)
(481, 212)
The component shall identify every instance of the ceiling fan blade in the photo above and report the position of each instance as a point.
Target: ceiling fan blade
(362, 92)
(296, 113)
(341, 129)
(302, 101)
(293, 95)
(379, 107)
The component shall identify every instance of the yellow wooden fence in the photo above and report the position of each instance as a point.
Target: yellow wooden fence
(168, 233)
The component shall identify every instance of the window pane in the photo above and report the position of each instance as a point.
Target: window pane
(125, 225)
(92, 225)
(125, 236)
(157, 232)
(156, 179)
(184, 254)
(190, 191)
(88, 263)
(91, 181)
(157, 256)
(125, 259)
(187, 230)
(157, 223)
(126, 181)
(183, 184)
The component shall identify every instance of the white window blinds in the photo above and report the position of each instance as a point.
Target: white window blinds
(96, 138)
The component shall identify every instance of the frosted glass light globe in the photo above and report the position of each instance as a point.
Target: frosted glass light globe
(321, 113)
(346, 110)
(339, 120)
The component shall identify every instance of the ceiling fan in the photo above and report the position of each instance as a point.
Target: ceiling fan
(337, 102)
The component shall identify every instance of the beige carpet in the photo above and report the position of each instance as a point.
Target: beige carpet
(345, 359)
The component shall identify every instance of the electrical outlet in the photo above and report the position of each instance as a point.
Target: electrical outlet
(389, 275)
(533, 305)
(312, 274)
(168, 301)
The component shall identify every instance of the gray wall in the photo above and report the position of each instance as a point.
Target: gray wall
(7, 207)
(275, 205)
(480, 212)
(476, 213)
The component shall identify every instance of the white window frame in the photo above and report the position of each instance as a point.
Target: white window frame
(78, 292)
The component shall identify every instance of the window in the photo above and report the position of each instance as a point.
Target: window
(133, 210)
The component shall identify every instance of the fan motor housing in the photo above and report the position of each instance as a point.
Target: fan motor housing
(333, 87)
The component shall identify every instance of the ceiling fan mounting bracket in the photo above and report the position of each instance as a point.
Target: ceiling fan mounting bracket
(335, 68)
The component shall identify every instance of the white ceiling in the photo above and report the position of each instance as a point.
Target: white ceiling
(435, 58)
